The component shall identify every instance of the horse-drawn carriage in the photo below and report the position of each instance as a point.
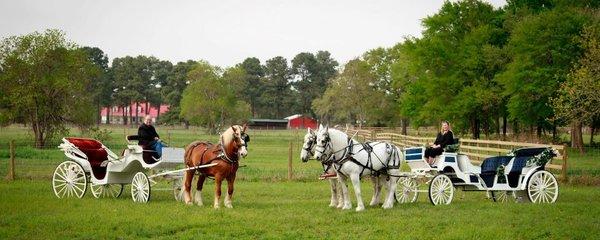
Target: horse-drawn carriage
(89, 161)
(107, 173)
(520, 174)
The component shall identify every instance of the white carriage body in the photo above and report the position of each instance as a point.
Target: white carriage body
(469, 175)
(120, 170)
(498, 176)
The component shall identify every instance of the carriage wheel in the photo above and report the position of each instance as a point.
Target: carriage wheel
(178, 189)
(140, 188)
(106, 190)
(69, 180)
(501, 196)
(441, 190)
(542, 187)
(407, 190)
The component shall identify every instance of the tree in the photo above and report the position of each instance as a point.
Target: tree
(45, 78)
(102, 85)
(542, 48)
(208, 101)
(578, 101)
(277, 95)
(136, 80)
(173, 89)
(351, 96)
(254, 73)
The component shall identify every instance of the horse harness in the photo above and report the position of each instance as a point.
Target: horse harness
(347, 156)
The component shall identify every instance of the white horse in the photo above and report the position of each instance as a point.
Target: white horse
(308, 150)
(353, 160)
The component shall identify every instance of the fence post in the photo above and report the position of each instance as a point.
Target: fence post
(564, 166)
(290, 162)
(11, 171)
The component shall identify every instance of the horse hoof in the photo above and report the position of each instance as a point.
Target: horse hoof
(359, 209)
(229, 206)
(188, 203)
(387, 206)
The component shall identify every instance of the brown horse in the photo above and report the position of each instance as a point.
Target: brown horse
(226, 155)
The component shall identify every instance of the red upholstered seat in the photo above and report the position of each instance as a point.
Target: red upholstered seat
(94, 152)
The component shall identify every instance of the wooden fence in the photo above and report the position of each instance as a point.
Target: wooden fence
(477, 150)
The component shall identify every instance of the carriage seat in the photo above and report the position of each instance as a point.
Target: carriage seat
(147, 154)
(452, 148)
(94, 152)
(490, 165)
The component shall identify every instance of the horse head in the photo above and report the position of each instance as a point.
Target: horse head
(308, 147)
(323, 148)
(236, 135)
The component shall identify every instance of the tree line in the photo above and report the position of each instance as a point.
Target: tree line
(528, 67)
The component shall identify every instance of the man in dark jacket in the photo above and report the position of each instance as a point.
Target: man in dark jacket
(148, 137)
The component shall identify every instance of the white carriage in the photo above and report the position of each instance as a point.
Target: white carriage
(90, 162)
(520, 175)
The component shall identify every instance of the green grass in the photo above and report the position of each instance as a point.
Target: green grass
(268, 206)
(289, 210)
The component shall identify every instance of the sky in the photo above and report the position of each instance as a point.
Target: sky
(223, 32)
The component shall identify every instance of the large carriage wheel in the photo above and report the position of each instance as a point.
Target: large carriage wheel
(69, 180)
(178, 189)
(140, 188)
(441, 190)
(106, 190)
(542, 187)
(407, 190)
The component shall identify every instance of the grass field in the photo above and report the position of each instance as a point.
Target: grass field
(268, 206)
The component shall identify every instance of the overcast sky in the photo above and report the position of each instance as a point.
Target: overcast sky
(223, 32)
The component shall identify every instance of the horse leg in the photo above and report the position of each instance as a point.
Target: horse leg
(355, 178)
(334, 193)
(392, 184)
(218, 181)
(187, 186)
(199, 185)
(377, 184)
(228, 198)
(342, 182)
(340, 195)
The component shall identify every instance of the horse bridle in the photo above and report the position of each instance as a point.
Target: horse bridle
(327, 141)
(310, 144)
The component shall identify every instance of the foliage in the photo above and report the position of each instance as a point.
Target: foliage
(351, 96)
(579, 96)
(102, 135)
(277, 93)
(44, 82)
(210, 101)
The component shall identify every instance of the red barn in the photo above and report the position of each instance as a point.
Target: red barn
(299, 121)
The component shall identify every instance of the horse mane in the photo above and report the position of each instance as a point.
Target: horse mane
(227, 136)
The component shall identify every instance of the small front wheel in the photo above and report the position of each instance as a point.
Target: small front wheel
(140, 188)
(407, 190)
(441, 190)
(106, 190)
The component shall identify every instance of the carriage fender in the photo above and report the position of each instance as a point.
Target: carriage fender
(83, 162)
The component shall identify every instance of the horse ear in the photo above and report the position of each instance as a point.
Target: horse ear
(308, 130)
(320, 126)
(245, 127)
(233, 127)
(327, 128)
